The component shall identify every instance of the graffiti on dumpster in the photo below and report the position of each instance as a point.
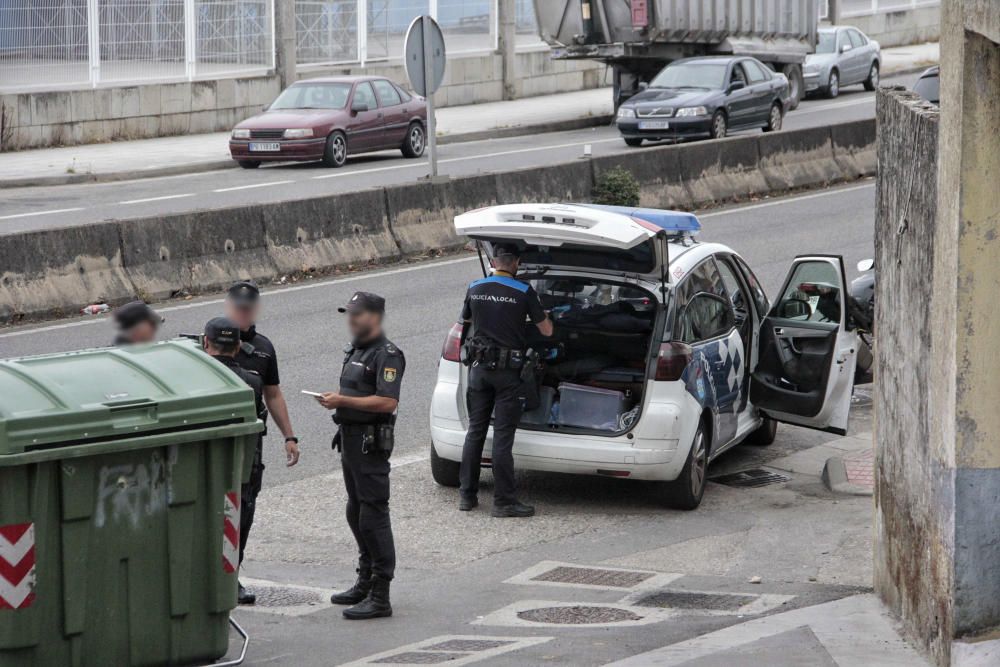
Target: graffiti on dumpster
(17, 566)
(128, 493)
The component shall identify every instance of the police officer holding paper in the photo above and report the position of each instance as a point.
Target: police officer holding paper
(366, 414)
(496, 309)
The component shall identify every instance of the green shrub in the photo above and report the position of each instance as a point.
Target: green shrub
(616, 187)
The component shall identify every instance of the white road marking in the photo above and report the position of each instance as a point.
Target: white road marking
(36, 213)
(453, 649)
(788, 200)
(164, 197)
(253, 185)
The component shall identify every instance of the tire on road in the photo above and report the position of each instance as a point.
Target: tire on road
(415, 141)
(774, 118)
(796, 85)
(871, 83)
(720, 125)
(443, 471)
(832, 88)
(335, 154)
(634, 142)
(686, 492)
(248, 164)
(764, 434)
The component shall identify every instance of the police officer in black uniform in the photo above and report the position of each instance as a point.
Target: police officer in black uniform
(256, 353)
(366, 413)
(496, 308)
(222, 342)
(136, 323)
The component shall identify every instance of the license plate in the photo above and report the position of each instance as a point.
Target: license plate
(654, 124)
(267, 147)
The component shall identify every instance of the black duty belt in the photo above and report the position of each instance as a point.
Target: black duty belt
(358, 429)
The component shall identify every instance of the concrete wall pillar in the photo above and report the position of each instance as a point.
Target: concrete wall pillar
(285, 42)
(507, 45)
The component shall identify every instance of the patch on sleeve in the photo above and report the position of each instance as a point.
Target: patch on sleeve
(389, 374)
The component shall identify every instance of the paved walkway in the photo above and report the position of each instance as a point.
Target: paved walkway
(203, 152)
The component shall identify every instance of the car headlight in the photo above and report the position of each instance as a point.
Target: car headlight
(240, 133)
(691, 111)
(626, 112)
(298, 133)
(810, 69)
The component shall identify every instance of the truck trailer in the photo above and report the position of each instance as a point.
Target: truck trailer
(637, 38)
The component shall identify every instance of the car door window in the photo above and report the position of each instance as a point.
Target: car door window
(403, 95)
(812, 294)
(738, 75)
(754, 72)
(857, 39)
(696, 318)
(364, 94)
(737, 294)
(842, 40)
(756, 291)
(387, 93)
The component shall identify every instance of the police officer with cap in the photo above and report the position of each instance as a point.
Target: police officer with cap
(496, 308)
(136, 323)
(256, 354)
(222, 342)
(366, 413)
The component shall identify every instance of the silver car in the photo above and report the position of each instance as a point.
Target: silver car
(844, 56)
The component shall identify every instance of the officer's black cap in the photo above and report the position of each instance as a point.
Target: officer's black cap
(222, 331)
(506, 250)
(244, 293)
(133, 313)
(364, 302)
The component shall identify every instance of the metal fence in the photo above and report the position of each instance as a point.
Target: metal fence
(58, 43)
(849, 8)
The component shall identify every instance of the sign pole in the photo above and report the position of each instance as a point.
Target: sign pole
(429, 77)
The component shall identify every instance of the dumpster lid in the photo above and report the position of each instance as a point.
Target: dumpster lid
(90, 396)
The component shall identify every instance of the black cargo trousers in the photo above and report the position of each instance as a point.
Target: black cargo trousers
(494, 393)
(366, 477)
(248, 495)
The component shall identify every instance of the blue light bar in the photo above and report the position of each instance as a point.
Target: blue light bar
(678, 222)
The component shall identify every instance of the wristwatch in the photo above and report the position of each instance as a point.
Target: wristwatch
(292, 438)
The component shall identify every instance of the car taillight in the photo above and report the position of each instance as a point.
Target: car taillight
(452, 350)
(672, 360)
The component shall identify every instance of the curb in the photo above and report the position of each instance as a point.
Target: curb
(217, 165)
(835, 478)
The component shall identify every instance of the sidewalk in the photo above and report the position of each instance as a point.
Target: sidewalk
(204, 152)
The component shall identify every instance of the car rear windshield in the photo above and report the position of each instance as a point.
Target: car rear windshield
(827, 42)
(314, 96)
(710, 76)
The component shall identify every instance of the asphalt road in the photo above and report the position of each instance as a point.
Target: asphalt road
(23, 209)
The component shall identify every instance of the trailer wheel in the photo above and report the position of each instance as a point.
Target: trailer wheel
(795, 84)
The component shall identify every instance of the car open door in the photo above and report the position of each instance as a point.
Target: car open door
(807, 348)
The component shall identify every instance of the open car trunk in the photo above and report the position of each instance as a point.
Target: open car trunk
(591, 374)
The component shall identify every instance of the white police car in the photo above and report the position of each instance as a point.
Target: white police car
(666, 350)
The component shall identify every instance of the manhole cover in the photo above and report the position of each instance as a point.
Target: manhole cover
(278, 596)
(593, 576)
(750, 478)
(469, 645)
(419, 658)
(690, 600)
(578, 615)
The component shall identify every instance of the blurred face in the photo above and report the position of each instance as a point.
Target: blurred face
(243, 315)
(363, 325)
(143, 332)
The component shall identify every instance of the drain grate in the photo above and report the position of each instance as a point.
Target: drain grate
(419, 658)
(693, 600)
(752, 478)
(470, 645)
(279, 596)
(578, 615)
(592, 576)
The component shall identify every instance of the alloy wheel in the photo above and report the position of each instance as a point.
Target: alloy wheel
(416, 139)
(719, 126)
(698, 464)
(775, 122)
(339, 149)
(873, 75)
(834, 84)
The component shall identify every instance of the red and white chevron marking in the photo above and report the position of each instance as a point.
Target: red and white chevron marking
(231, 533)
(17, 565)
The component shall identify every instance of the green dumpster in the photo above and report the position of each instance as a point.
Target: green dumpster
(120, 472)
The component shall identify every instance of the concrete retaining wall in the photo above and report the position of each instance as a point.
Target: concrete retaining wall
(900, 28)
(155, 258)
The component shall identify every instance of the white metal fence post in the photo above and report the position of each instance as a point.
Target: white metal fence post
(362, 31)
(190, 39)
(94, 41)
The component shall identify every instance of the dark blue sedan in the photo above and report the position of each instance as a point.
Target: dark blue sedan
(707, 97)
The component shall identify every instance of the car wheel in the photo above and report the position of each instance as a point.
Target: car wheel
(871, 83)
(335, 154)
(719, 125)
(634, 142)
(764, 434)
(833, 84)
(796, 85)
(416, 140)
(774, 118)
(685, 492)
(443, 471)
(248, 164)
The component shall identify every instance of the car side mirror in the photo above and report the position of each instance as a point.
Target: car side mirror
(845, 48)
(358, 107)
(266, 107)
(643, 85)
(736, 85)
(866, 265)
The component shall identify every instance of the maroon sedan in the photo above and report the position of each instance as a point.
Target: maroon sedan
(330, 118)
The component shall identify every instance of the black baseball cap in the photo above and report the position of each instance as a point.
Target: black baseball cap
(364, 302)
(506, 250)
(132, 313)
(222, 331)
(244, 293)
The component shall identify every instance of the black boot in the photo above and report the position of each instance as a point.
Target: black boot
(356, 593)
(376, 605)
(243, 596)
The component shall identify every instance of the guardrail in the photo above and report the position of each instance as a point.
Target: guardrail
(59, 271)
